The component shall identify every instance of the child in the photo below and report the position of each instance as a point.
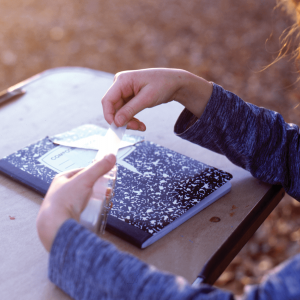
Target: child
(257, 139)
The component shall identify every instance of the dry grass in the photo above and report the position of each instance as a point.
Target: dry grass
(225, 41)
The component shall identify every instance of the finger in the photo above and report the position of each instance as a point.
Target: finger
(142, 126)
(89, 175)
(142, 100)
(116, 107)
(136, 124)
(119, 104)
(114, 97)
(108, 110)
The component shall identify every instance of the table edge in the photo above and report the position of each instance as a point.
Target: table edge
(219, 261)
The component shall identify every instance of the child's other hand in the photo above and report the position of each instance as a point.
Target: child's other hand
(67, 197)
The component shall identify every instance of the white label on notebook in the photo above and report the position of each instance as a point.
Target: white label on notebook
(92, 142)
(61, 158)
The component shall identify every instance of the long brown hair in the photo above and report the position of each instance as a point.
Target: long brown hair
(290, 38)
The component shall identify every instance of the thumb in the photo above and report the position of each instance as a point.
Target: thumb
(143, 99)
(89, 176)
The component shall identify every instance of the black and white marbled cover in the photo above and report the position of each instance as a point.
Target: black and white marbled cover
(170, 184)
(164, 187)
(24, 166)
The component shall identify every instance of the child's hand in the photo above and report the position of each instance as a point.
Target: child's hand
(67, 197)
(133, 91)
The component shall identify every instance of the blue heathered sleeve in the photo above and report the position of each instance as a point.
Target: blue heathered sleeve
(254, 138)
(282, 283)
(87, 268)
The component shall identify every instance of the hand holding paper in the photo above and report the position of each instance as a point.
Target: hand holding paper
(133, 91)
(67, 197)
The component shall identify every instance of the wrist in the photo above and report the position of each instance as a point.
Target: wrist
(194, 93)
(48, 224)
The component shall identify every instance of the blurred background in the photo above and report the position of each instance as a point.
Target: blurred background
(225, 41)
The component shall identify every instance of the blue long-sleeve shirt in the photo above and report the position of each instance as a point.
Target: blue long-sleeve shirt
(87, 267)
(254, 138)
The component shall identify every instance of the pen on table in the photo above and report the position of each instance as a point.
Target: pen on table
(198, 281)
(208, 269)
(11, 93)
(17, 89)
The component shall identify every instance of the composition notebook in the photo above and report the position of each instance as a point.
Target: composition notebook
(156, 190)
